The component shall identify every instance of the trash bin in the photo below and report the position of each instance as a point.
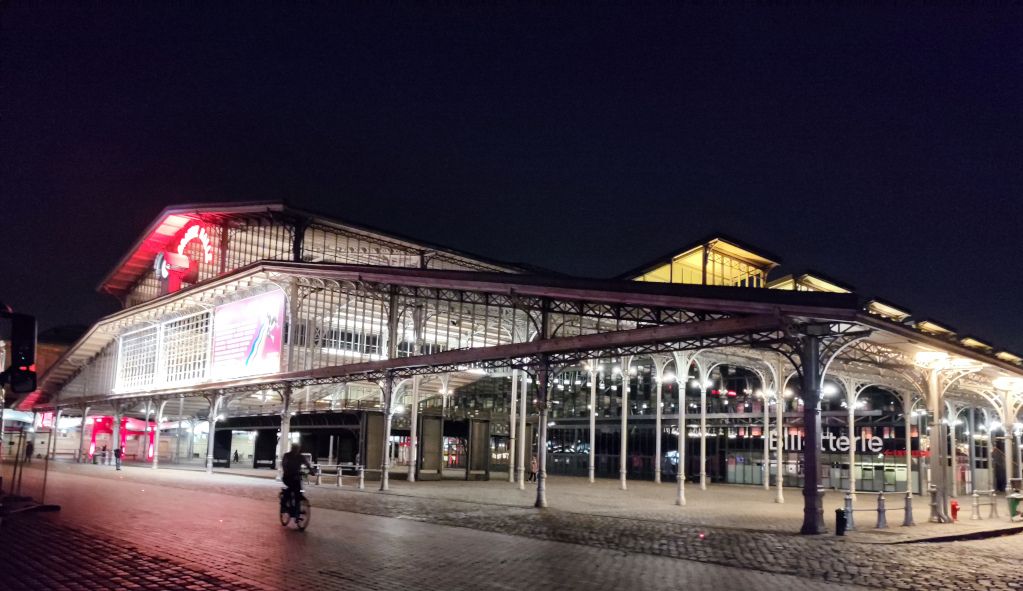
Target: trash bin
(1014, 502)
(839, 522)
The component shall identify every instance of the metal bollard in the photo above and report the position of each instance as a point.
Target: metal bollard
(935, 518)
(882, 519)
(994, 505)
(339, 477)
(908, 518)
(362, 478)
(975, 514)
(849, 523)
(319, 477)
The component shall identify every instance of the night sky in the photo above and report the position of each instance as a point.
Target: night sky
(883, 148)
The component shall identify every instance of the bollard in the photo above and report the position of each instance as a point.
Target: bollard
(338, 483)
(319, 477)
(850, 524)
(975, 514)
(994, 505)
(362, 478)
(840, 522)
(882, 519)
(908, 518)
(935, 518)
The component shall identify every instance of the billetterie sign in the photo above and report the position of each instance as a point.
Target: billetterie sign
(830, 442)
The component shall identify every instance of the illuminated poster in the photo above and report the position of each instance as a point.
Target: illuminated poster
(247, 336)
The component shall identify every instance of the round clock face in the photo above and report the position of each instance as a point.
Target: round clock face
(161, 266)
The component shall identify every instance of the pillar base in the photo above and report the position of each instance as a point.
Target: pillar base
(813, 514)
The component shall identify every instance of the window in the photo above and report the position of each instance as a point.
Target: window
(186, 348)
(137, 359)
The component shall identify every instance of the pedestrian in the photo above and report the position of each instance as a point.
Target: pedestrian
(118, 453)
(236, 459)
(29, 448)
(534, 467)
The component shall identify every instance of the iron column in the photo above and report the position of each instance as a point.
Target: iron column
(541, 406)
(81, 435)
(703, 429)
(1007, 440)
(813, 509)
(511, 424)
(522, 429)
(385, 464)
(907, 417)
(765, 464)
(623, 455)
(284, 443)
(593, 420)
(413, 463)
(156, 435)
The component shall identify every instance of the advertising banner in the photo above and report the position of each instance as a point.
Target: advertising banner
(247, 336)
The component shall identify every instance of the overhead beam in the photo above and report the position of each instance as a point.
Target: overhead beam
(621, 338)
(558, 345)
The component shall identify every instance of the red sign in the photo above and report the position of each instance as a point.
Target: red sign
(174, 267)
(901, 453)
(197, 232)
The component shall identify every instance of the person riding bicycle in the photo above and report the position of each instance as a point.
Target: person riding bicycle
(291, 467)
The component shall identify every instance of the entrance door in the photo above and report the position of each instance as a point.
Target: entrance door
(478, 465)
(222, 449)
(371, 454)
(265, 453)
(431, 446)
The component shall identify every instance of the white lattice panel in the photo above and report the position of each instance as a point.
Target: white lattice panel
(186, 350)
(137, 359)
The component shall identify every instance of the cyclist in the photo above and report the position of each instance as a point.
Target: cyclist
(291, 467)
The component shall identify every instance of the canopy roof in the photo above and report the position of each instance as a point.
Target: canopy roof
(902, 337)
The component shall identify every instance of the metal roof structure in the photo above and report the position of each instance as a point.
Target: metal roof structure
(884, 318)
(169, 223)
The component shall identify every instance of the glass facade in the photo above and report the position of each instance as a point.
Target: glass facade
(735, 431)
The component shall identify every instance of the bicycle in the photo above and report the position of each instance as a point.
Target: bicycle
(294, 508)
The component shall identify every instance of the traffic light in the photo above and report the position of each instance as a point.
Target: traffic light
(22, 373)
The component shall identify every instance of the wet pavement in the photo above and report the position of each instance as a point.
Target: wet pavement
(221, 530)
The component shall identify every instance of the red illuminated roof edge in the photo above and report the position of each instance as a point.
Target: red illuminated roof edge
(122, 269)
(193, 208)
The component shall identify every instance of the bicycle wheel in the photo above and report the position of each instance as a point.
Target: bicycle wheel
(285, 509)
(303, 514)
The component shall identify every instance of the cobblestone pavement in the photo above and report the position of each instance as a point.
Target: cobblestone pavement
(120, 533)
(44, 554)
(721, 505)
(991, 564)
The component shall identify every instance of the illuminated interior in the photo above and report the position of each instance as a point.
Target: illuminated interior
(886, 310)
(715, 262)
(931, 327)
(807, 282)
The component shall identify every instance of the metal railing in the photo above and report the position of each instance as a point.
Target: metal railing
(881, 509)
(991, 499)
(339, 469)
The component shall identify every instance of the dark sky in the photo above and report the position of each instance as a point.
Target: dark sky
(880, 147)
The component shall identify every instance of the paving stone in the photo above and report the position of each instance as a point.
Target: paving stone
(219, 530)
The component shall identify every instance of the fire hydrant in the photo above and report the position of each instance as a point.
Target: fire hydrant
(955, 510)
